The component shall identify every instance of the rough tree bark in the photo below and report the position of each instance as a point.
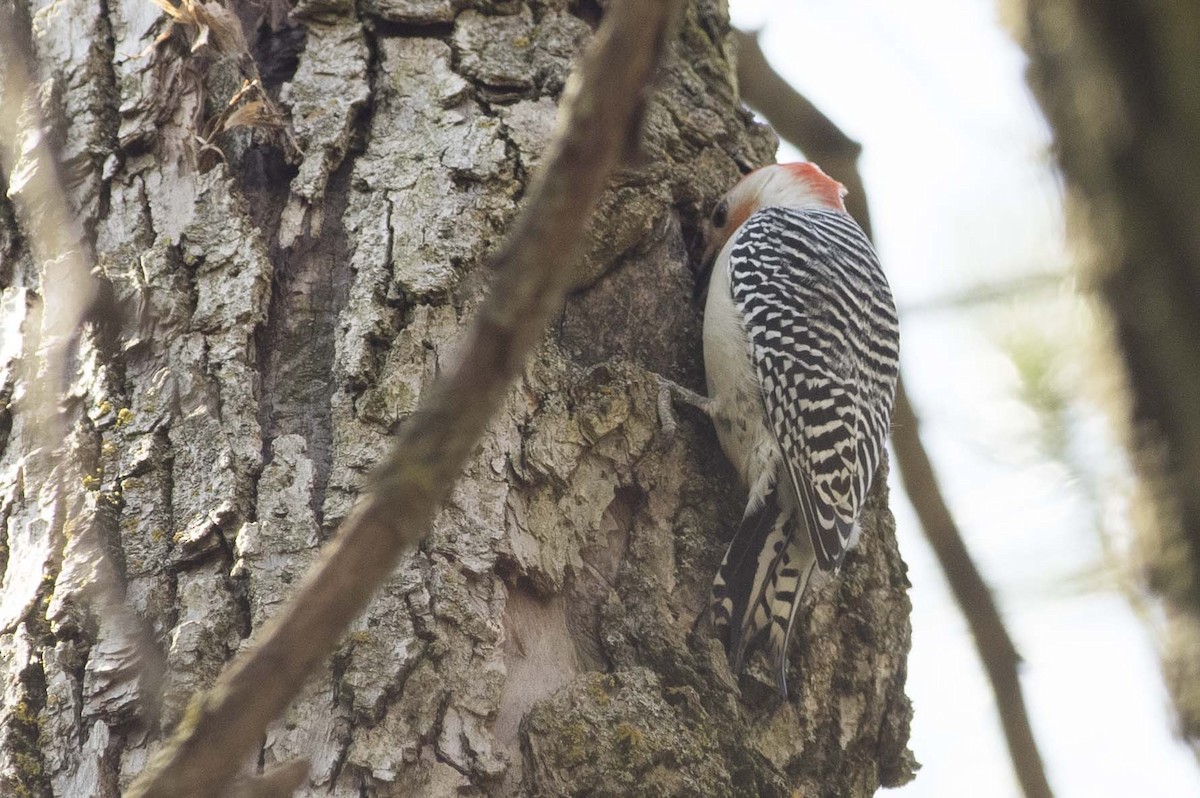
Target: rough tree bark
(1118, 82)
(282, 308)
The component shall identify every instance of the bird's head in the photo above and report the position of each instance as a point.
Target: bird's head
(789, 185)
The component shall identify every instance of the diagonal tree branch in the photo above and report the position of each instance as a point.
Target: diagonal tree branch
(601, 110)
(974, 597)
(800, 122)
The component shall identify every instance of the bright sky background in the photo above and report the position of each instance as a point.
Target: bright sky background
(962, 194)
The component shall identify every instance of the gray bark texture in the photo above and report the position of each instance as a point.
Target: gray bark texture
(1118, 82)
(287, 274)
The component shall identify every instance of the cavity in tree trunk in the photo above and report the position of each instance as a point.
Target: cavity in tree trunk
(291, 270)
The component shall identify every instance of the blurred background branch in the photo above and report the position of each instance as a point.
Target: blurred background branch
(1000, 291)
(801, 123)
(1120, 94)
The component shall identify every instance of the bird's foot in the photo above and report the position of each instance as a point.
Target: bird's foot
(670, 392)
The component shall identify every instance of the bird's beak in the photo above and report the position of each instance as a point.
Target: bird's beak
(702, 270)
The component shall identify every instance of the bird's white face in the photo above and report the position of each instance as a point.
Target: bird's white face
(792, 185)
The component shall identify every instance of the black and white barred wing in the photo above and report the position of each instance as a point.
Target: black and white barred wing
(824, 340)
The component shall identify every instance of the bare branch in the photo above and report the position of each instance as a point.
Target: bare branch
(974, 597)
(801, 123)
(601, 106)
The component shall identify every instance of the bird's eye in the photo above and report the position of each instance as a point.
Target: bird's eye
(720, 214)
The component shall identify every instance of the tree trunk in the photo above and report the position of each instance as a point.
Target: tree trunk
(1118, 83)
(284, 296)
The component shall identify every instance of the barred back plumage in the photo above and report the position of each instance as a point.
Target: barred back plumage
(820, 330)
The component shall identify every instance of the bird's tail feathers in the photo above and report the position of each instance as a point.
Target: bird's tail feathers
(760, 583)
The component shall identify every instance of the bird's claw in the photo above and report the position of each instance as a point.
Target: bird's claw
(669, 392)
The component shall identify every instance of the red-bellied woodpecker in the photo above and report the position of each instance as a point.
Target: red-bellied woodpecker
(800, 349)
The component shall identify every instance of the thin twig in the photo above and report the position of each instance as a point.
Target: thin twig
(798, 121)
(601, 107)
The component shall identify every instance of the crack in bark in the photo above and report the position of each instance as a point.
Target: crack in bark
(25, 747)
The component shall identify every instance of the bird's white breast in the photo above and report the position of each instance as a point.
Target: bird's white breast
(733, 382)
